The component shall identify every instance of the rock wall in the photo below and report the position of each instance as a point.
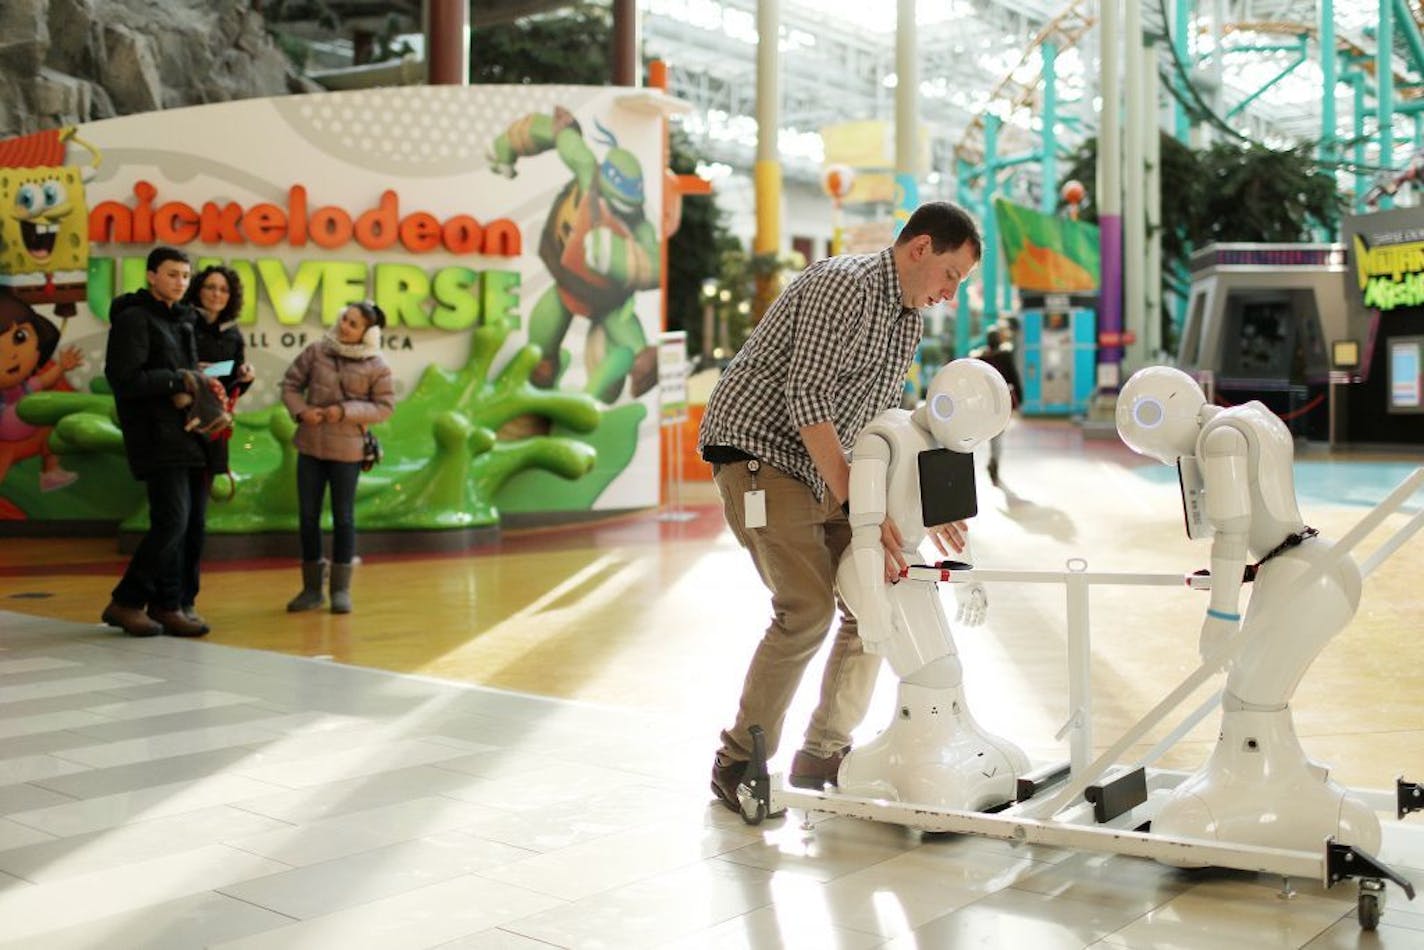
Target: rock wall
(68, 61)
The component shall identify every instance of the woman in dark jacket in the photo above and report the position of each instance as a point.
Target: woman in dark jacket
(215, 295)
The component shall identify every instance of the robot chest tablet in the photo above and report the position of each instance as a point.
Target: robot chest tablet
(946, 486)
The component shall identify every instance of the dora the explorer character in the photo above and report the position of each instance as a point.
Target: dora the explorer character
(27, 341)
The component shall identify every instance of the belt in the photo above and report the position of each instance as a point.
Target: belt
(724, 454)
(1291, 540)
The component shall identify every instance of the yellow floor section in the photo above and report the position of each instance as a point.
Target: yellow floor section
(664, 615)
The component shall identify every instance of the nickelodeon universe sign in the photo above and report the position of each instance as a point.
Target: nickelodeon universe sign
(1391, 276)
(450, 298)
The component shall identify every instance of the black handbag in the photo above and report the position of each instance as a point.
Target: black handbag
(371, 453)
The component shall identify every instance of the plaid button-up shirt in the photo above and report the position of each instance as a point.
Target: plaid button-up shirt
(834, 347)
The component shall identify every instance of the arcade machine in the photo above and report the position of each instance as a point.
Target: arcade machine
(1258, 318)
(1058, 353)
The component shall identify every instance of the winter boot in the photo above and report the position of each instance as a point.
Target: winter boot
(311, 597)
(341, 588)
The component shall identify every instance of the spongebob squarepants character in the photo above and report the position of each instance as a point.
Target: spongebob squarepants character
(598, 247)
(44, 221)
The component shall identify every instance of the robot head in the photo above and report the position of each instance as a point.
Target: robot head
(967, 402)
(1159, 413)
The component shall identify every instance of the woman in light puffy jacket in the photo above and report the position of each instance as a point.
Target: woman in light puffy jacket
(335, 388)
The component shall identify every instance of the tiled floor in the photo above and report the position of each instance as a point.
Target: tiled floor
(168, 793)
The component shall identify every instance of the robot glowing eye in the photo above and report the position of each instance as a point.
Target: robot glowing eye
(1148, 413)
(942, 407)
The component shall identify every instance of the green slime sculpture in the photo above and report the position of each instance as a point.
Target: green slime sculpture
(444, 465)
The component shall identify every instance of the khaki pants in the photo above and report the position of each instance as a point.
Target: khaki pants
(796, 554)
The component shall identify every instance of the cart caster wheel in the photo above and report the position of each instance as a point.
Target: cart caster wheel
(1370, 904)
(753, 808)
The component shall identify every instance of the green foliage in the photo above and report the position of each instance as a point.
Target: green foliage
(696, 249)
(572, 46)
(1229, 193)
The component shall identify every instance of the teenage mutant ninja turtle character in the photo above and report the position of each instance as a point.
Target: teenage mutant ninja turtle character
(598, 246)
(44, 220)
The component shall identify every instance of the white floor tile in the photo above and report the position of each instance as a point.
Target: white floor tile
(15, 798)
(175, 925)
(362, 830)
(118, 779)
(372, 875)
(93, 814)
(167, 745)
(564, 824)
(611, 861)
(56, 858)
(73, 686)
(495, 938)
(541, 788)
(33, 664)
(16, 835)
(1347, 935)
(910, 890)
(424, 917)
(1014, 918)
(29, 768)
(177, 702)
(30, 912)
(47, 722)
(792, 923)
(120, 730)
(355, 794)
(832, 849)
(1113, 880)
(654, 911)
(280, 767)
(1231, 915)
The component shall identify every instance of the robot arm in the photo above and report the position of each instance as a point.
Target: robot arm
(1227, 477)
(870, 596)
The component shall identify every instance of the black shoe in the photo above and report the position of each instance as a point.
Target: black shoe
(725, 779)
(813, 772)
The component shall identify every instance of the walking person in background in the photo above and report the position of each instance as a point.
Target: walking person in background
(216, 297)
(151, 363)
(335, 388)
(998, 354)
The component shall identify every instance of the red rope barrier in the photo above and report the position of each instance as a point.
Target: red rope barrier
(1287, 417)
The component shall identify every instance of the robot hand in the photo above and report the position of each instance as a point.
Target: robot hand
(973, 603)
(598, 249)
(1214, 632)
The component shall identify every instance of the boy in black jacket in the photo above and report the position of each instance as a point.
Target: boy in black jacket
(151, 364)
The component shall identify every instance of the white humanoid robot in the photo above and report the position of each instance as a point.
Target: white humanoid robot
(903, 465)
(1258, 787)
